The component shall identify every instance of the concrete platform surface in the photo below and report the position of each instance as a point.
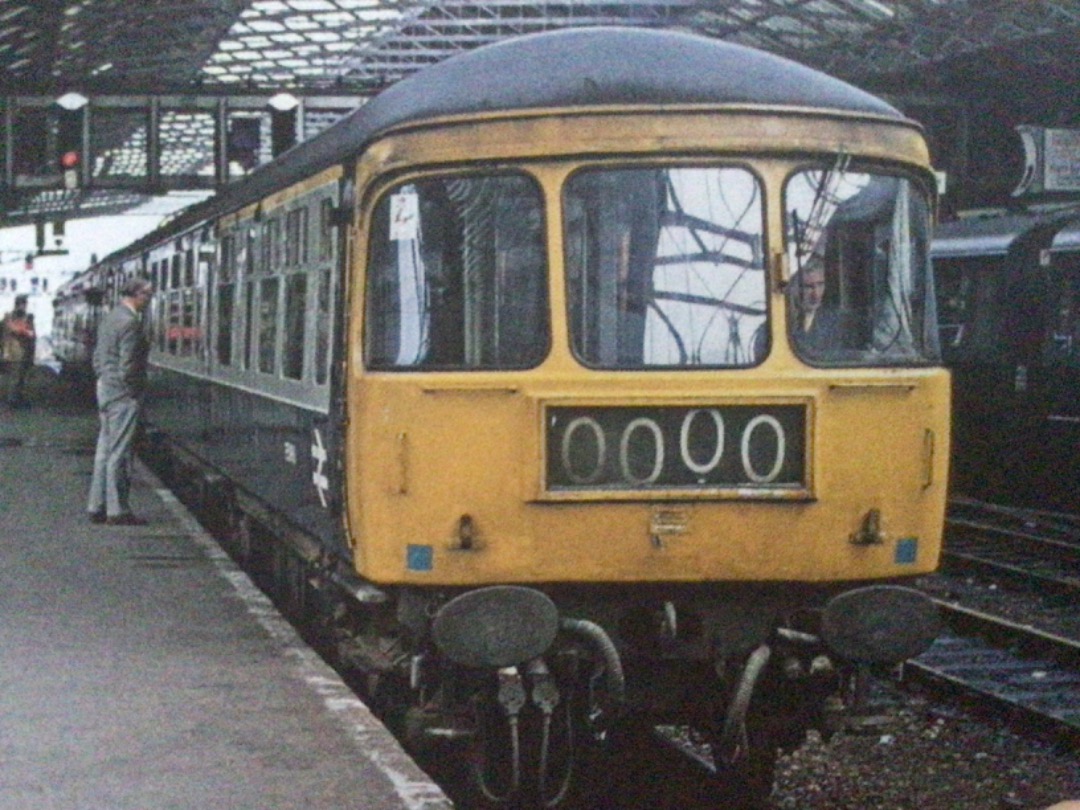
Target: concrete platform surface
(141, 670)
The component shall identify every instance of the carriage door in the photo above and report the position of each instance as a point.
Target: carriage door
(1059, 376)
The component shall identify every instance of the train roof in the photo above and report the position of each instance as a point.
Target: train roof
(585, 67)
(604, 66)
(993, 235)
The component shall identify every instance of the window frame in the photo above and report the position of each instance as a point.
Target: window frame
(392, 185)
(918, 184)
(248, 274)
(715, 161)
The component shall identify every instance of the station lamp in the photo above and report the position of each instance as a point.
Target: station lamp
(283, 102)
(70, 135)
(283, 115)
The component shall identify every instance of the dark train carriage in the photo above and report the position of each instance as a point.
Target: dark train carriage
(1009, 311)
(242, 324)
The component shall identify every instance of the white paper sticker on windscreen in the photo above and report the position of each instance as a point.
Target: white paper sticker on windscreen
(404, 216)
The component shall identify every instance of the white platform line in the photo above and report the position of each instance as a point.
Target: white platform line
(415, 788)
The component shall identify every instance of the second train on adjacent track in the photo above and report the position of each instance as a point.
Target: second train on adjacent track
(1009, 293)
(592, 376)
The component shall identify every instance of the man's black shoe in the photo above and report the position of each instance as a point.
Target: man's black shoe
(97, 517)
(125, 520)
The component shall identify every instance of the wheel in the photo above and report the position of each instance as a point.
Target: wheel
(746, 767)
(744, 749)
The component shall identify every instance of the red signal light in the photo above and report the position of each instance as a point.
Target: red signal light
(69, 160)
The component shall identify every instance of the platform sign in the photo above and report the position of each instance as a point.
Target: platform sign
(1063, 160)
(1051, 160)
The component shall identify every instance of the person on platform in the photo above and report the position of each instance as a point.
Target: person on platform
(120, 359)
(18, 344)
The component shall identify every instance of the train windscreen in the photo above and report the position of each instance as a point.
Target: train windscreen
(665, 267)
(862, 291)
(457, 275)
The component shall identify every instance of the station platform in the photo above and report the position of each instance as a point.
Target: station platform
(140, 669)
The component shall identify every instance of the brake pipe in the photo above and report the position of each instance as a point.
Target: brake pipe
(602, 643)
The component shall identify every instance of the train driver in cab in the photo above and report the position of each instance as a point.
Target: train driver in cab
(816, 327)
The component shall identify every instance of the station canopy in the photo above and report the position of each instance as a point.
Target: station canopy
(363, 45)
(357, 47)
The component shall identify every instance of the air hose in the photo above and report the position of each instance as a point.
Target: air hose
(601, 641)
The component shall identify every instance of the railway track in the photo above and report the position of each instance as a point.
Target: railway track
(1060, 525)
(1009, 594)
(1032, 674)
(1041, 548)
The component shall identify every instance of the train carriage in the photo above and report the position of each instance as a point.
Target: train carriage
(605, 390)
(1009, 290)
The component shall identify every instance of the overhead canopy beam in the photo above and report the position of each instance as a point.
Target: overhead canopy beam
(144, 145)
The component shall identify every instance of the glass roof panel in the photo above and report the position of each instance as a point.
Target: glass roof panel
(357, 47)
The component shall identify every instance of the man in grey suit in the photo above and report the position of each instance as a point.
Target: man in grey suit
(120, 357)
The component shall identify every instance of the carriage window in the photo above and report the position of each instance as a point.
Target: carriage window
(324, 236)
(322, 328)
(292, 360)
(457, 275)
(227, 263)
(861, 292)
(249, 323)
(955, 295)
(246, 259)
(271, 246)
(268, 318)
(326, 229)
(665, 267)
(225, 323)
(296, 228)
(188, 324)
(173, 320)
(224, 300)
(970, 294)
(159, 319)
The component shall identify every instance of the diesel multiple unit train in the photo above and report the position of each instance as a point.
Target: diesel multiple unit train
(1009, 299)
(592, 377)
